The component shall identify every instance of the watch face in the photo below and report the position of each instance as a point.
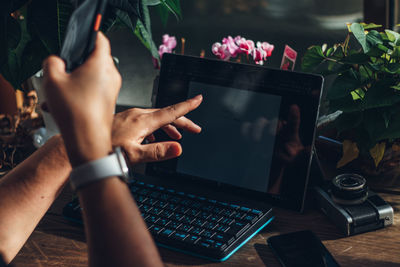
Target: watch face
(122, 162)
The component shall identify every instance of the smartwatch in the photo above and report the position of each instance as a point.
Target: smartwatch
(107, 167)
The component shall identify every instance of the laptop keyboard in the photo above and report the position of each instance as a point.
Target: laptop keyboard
(191, 223)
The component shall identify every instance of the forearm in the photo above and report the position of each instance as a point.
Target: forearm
(27, 192)
(116, 233)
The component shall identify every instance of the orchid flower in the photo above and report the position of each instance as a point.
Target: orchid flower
(247, 46)
(163, 49)
(259, 55)
(267, 47)
(230, 43)
(169, 41)
(221, 51)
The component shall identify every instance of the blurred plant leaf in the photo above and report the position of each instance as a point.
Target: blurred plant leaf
(359, 33)
(377, 152)
(312, 58)
(350, 153)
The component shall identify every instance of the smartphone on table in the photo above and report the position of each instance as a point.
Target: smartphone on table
(81, 32)
(301, 249)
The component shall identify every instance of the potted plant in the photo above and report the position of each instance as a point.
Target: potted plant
(32, 30)
(366, 92)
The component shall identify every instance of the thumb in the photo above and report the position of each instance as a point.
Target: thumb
(160, 151)
(53, 67)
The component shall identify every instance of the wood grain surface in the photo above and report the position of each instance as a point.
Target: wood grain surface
(57, 242)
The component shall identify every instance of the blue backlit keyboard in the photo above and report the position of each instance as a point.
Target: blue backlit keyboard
(191, 224)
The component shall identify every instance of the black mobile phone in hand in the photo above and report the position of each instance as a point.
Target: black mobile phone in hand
(81, 32)
(301, 249)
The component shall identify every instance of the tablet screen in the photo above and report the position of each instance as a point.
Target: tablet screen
(237, 139)
(258, 127)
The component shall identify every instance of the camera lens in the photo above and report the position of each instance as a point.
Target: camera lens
(349, 189)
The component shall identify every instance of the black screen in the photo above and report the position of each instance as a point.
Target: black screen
(301, 249)
(257, 125)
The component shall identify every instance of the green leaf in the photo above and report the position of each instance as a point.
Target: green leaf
(393, 36)
(343, 85)
(358, 32)
(374, 38)
(381, 95)
(312, 58)
(359, 58)
(152, 2)
(174, 7)
(13, 32)
(392, 68)
(358, 94)
(348, 120)
(163, 12)
(370, 26)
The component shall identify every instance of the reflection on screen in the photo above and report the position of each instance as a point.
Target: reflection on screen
(237, 139)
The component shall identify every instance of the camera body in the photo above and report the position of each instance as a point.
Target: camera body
(371, 213)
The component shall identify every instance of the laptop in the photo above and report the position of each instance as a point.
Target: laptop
(254, 153)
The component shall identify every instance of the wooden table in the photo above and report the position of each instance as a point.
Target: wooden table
(56, 242)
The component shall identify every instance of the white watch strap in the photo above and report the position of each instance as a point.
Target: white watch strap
(95, 170)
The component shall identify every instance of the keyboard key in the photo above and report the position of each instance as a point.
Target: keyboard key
(257, 212)
(177, 216)
(155, 194)
(145, 208)
(187, 220)
(181, 209)
(222, 228)
(207, 208)
(155, 211)
(192, 239)
(192, 212)
(217, 210)
(221, 237)
(174, 225)
(218, 245)
(185, 227)
(166, 232)
(237, 228)
(204, 244)
(144, 192)
(228, 213)
(151, 201)
(207, 234)
(175, 200)
(151, 219)
(162, 222)
(160, 188)
(239, 215)
(154, 229)
(186, 202)
(150, 185)
(250, 218)
(134, 189)
(171, 206)
(244, 209)
(227, 221)
(215, 218)
(179, 236)
(210, 225)
(166, 213)
(198, 222)
(160, 204)
(204, 215)
(234, 207)
(196, 230)
(140, 199)
(164, 197)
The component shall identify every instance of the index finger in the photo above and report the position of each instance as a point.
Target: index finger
(170, 114)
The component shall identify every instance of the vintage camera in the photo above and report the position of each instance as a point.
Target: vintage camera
(348, 202)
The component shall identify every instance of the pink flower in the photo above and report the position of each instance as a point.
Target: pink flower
(267, 47)
(163, 49)
(169, 41)
(233, 49)
(221, 51)
(246, 46)
(259, 55)
(237, 38)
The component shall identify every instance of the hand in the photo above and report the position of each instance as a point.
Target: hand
(82, 102)
(132, 126)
